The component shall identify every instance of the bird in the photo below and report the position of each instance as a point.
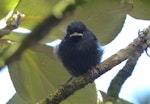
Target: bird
(79, 49)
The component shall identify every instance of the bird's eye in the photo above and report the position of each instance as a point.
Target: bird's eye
(81, 31)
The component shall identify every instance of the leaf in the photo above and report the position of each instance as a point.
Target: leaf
(36, 74)
(7, 6)
(104, 18)
(4, 45)
(35, 11)
(141, 9)
(16, 99)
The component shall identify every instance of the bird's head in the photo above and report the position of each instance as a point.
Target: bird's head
(76, 29)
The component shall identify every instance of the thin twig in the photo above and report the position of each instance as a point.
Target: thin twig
(13, 24)
(122, 76)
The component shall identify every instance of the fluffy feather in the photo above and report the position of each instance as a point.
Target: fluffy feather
(79, 50)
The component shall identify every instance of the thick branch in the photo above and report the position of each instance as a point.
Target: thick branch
(38, 33)
(77, 83)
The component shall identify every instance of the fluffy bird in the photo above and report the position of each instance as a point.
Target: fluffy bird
(79, 50)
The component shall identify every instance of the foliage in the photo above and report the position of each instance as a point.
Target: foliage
(36, 73)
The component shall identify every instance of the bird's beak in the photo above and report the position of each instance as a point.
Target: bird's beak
(76, 34)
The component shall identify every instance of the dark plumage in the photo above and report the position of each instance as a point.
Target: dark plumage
(79, 50)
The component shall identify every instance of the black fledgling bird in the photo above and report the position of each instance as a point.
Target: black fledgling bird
(79, 50)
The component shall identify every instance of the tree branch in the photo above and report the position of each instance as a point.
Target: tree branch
(38, 33)
(121, 77)
(13, 24)
(137, 46)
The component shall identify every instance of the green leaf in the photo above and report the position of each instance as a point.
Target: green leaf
(104, 18)
(4, 45)
(16, 99)
(141, 9)
(61, 6)
(7, 6)
(36, 74)
(35, 11)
